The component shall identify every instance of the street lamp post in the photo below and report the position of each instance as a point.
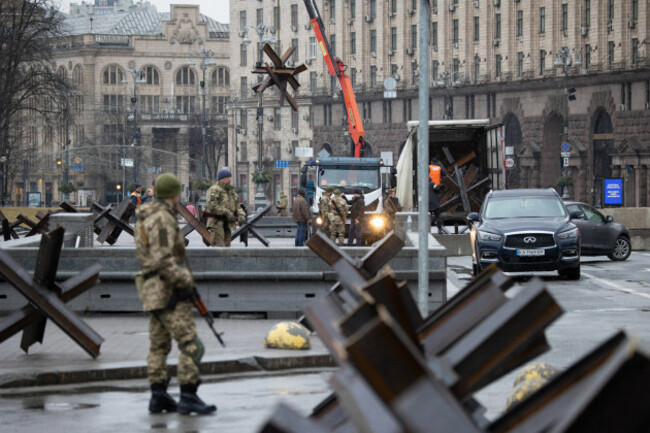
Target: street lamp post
(449, 80)
(232, 106)
(3, 160)
(207, 60)
(261, 30)
(564, 59)
(138, 78)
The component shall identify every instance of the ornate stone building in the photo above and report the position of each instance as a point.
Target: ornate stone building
(150, 91)
(516, 62)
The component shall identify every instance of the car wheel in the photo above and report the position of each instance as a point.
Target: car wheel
(571, 273)
(622, 250)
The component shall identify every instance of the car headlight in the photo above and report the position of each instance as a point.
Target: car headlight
(571, 234)
(487, 236)
(377, 222)
(319, 221)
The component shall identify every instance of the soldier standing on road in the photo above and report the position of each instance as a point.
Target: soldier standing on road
(161, 254)
(325, 209)
(337, 215)
(282, 204)
(222, 209)
(301, 216)
(392, 207)
(357, 213)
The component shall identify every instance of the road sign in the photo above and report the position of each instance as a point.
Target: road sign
(304, 152)
(77, 160)
(77, 167)
(126, 162)
(566, 147)
(565, 154)
(390, 83)
(281, 164)
(566, 162)
(390, 94)
(510, 150)
(510, 162)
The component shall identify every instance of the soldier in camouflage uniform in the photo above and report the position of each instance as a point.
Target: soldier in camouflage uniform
(282, 205)
(164, 275)
(325, 209)
(222, 209)
(337, 214)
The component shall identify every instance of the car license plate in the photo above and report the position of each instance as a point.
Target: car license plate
(530, 253)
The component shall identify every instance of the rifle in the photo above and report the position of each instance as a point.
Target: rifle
(338, 211)
(201, 308)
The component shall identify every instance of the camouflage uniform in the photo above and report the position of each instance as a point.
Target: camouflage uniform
(325, 211)
(282, 205)
(337, 219)
(161, 253)
(222, 200)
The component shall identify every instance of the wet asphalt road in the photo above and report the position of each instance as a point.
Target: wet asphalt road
(610, 296)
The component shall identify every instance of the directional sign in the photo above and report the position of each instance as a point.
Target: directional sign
(127, 162)
(565, 154)
(281, 164)
(566, 147)
(566, 162)
(304, 152)
(613, 192)
(390, 94)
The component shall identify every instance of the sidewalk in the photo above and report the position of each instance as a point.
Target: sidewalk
(59, 360)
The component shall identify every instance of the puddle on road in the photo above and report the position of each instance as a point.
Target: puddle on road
(54, 406)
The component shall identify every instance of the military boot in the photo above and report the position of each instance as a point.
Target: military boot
(160, 400)
(190, 402)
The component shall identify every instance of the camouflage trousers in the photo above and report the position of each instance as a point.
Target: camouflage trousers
(337, 231)
(220, 237)
(177, 324)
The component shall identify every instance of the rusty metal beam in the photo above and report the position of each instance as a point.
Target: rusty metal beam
(193, 224)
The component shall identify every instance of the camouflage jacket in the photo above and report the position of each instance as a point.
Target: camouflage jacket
(342, 206)
(161, 254)
(325, 204)
(222, 200)
(283, 202)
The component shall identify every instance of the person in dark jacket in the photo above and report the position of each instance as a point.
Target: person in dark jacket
(301, 216)
(357, 212)
(147, 197)
(391, 207)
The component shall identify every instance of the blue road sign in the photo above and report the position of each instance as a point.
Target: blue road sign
(613, 192)
(566, 147)
(281, 164)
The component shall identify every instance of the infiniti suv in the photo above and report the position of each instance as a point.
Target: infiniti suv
(525, 230)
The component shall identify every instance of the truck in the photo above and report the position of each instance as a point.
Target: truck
(472, 152)
(348, 174)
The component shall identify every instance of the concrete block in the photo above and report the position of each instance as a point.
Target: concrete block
(80, 224)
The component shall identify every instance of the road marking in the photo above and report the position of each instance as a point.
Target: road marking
(604, 310)
(616, 286)
(645, 254)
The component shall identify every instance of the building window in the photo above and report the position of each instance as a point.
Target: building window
(565, 17)
(373, 76)
(185, 104)
(393, 38)
(542, 20)
(185, 77)
(542, 61)
(276, 16)
(587, 56)
(414, 72)
(332, 4)
(497, 66)
(277, 151)
(353, 7)
(610, 53)
(476, 29)
(260, 16)
(244, 151)
(497, 26)
(520, 64)
(477, 68)
(635, 52)
(635, 10)
(294, 119)
(151, 75)
(373, 8)
(455, 32)
(242, 54)
(456, 68)
(587, 13)
(610, 11)
(113, 103)
(373, 41)
(312, 47)
(393, 70)
(221, 77)
(113, 75)
(277, 118)
(393, 6)
(520, 23)
(414, 36)
(243, 93)
(334, 82)
(353, 43)
(294, 44)
(243, 118)
(312, 81)
(294, 16)
(353, 76)
(434, 33)
(434, 70)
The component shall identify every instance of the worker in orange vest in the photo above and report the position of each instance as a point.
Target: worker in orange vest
(436, 173)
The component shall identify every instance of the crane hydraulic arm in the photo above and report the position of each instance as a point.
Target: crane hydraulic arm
(337, 68)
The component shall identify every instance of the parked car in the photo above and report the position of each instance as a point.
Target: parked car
(600, 234)
(524, 230)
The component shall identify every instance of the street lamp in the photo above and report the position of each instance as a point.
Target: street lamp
(206, 57)
(3, 160)
(233, 106)
(138, 78)
(261, 30)
(564, 59)
(449, 80)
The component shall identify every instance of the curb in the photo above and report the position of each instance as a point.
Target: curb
(139, 371)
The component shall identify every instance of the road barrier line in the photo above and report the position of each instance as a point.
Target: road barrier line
(616, 286)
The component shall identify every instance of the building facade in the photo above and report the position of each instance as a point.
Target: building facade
(149, 96)
(533, 66)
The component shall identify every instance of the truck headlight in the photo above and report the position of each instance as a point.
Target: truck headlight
(377, 222)
(571, 234)
(487, 236)
(319, 221)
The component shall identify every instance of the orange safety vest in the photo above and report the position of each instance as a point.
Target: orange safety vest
(135, 193)
(434, 174)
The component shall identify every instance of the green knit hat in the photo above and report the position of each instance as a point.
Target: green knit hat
(167, 186)
(337, 192)
(329, 189)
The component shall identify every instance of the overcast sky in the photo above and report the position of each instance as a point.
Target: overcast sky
(216, 9)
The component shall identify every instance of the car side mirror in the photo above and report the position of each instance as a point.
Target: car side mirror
(577, 214)
(609, 218)
(472, 217)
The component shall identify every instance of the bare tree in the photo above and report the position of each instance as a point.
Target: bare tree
(27, 29)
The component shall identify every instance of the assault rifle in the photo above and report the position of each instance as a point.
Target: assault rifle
(201, 308)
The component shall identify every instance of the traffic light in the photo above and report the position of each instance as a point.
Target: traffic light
(58, 161)
(571, 93)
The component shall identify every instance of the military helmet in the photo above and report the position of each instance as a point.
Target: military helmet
(337, 192)
(167, 186)
(329, 189)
